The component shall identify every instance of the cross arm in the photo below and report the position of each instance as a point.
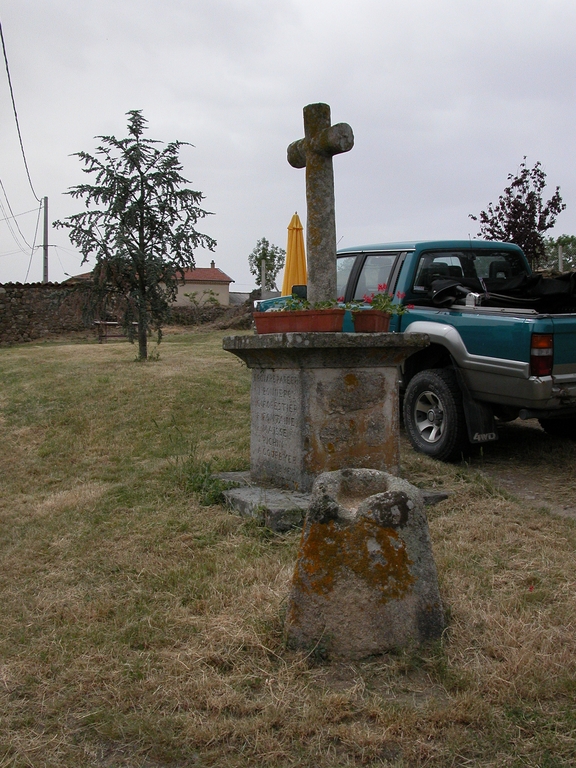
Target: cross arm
(328, 142)
(297, 153)
(334, 140)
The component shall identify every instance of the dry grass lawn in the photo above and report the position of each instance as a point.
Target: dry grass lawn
(141, 629)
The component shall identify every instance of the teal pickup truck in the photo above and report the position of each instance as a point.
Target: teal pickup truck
(502, 340)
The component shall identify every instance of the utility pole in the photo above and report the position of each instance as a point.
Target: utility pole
(560, 259)
(45, 245)
(263, 291)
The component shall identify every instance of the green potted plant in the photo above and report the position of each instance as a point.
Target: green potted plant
(296, 315)
(376, 317)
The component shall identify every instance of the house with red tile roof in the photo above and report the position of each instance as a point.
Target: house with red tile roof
(201, 281)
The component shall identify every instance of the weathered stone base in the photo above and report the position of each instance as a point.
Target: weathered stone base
(308, 421)
(279, 509)
(321, 402)
(365, 579)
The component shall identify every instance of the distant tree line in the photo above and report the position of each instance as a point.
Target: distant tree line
(568, 244)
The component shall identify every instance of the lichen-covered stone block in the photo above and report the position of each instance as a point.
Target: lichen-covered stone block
(322, 401)
(365, 579)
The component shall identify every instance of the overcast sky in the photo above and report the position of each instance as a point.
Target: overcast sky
(445, 97)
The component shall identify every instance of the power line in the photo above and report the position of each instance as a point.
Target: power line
(11, 253)
(34, 242)
(16, 114)
(60, 260)
(12, 230)
(68, 250)
(12, 217)
(32, 210)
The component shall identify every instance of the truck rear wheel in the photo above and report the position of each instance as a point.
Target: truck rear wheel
(434, 415)
(559, 427)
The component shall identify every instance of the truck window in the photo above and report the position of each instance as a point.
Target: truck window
(344, 266)
(375, 274)
(433, 266)
(466, 264)
(498, 264)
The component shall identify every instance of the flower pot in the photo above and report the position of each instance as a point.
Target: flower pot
(371, 321)
(300, 321)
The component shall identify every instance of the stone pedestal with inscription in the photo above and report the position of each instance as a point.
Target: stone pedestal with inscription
(322, 401)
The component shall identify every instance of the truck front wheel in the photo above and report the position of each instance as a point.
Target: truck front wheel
(434, 415)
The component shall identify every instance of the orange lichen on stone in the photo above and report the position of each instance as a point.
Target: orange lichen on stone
(374, 554)
(365, 579)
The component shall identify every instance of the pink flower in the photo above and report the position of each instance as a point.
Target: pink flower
(382, 286)
(367, 298)
(400, 295)
(409, 306)
(340, 298)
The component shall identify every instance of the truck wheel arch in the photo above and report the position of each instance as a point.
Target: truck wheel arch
(446, 349)
(433, 356)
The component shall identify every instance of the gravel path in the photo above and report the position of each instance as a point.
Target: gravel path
(532, 466)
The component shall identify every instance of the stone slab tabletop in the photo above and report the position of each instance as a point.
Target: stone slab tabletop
(324, 350)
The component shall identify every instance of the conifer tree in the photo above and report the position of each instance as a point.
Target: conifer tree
(138, 225)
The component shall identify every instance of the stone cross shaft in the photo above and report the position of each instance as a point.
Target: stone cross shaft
(314, 152)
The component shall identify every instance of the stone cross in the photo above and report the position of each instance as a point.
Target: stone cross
(314, 152)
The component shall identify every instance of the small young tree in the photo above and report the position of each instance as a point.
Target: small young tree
(520, 216)
(207, 299)
(273, 257)
(138, 224)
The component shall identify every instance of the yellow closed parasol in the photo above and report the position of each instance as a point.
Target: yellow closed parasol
(295, 269)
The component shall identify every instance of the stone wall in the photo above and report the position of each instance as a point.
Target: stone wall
(189, 315)
(32, 310)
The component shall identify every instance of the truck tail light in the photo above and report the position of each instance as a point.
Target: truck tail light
(541, 354)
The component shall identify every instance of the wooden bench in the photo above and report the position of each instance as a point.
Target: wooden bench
(109, 329)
